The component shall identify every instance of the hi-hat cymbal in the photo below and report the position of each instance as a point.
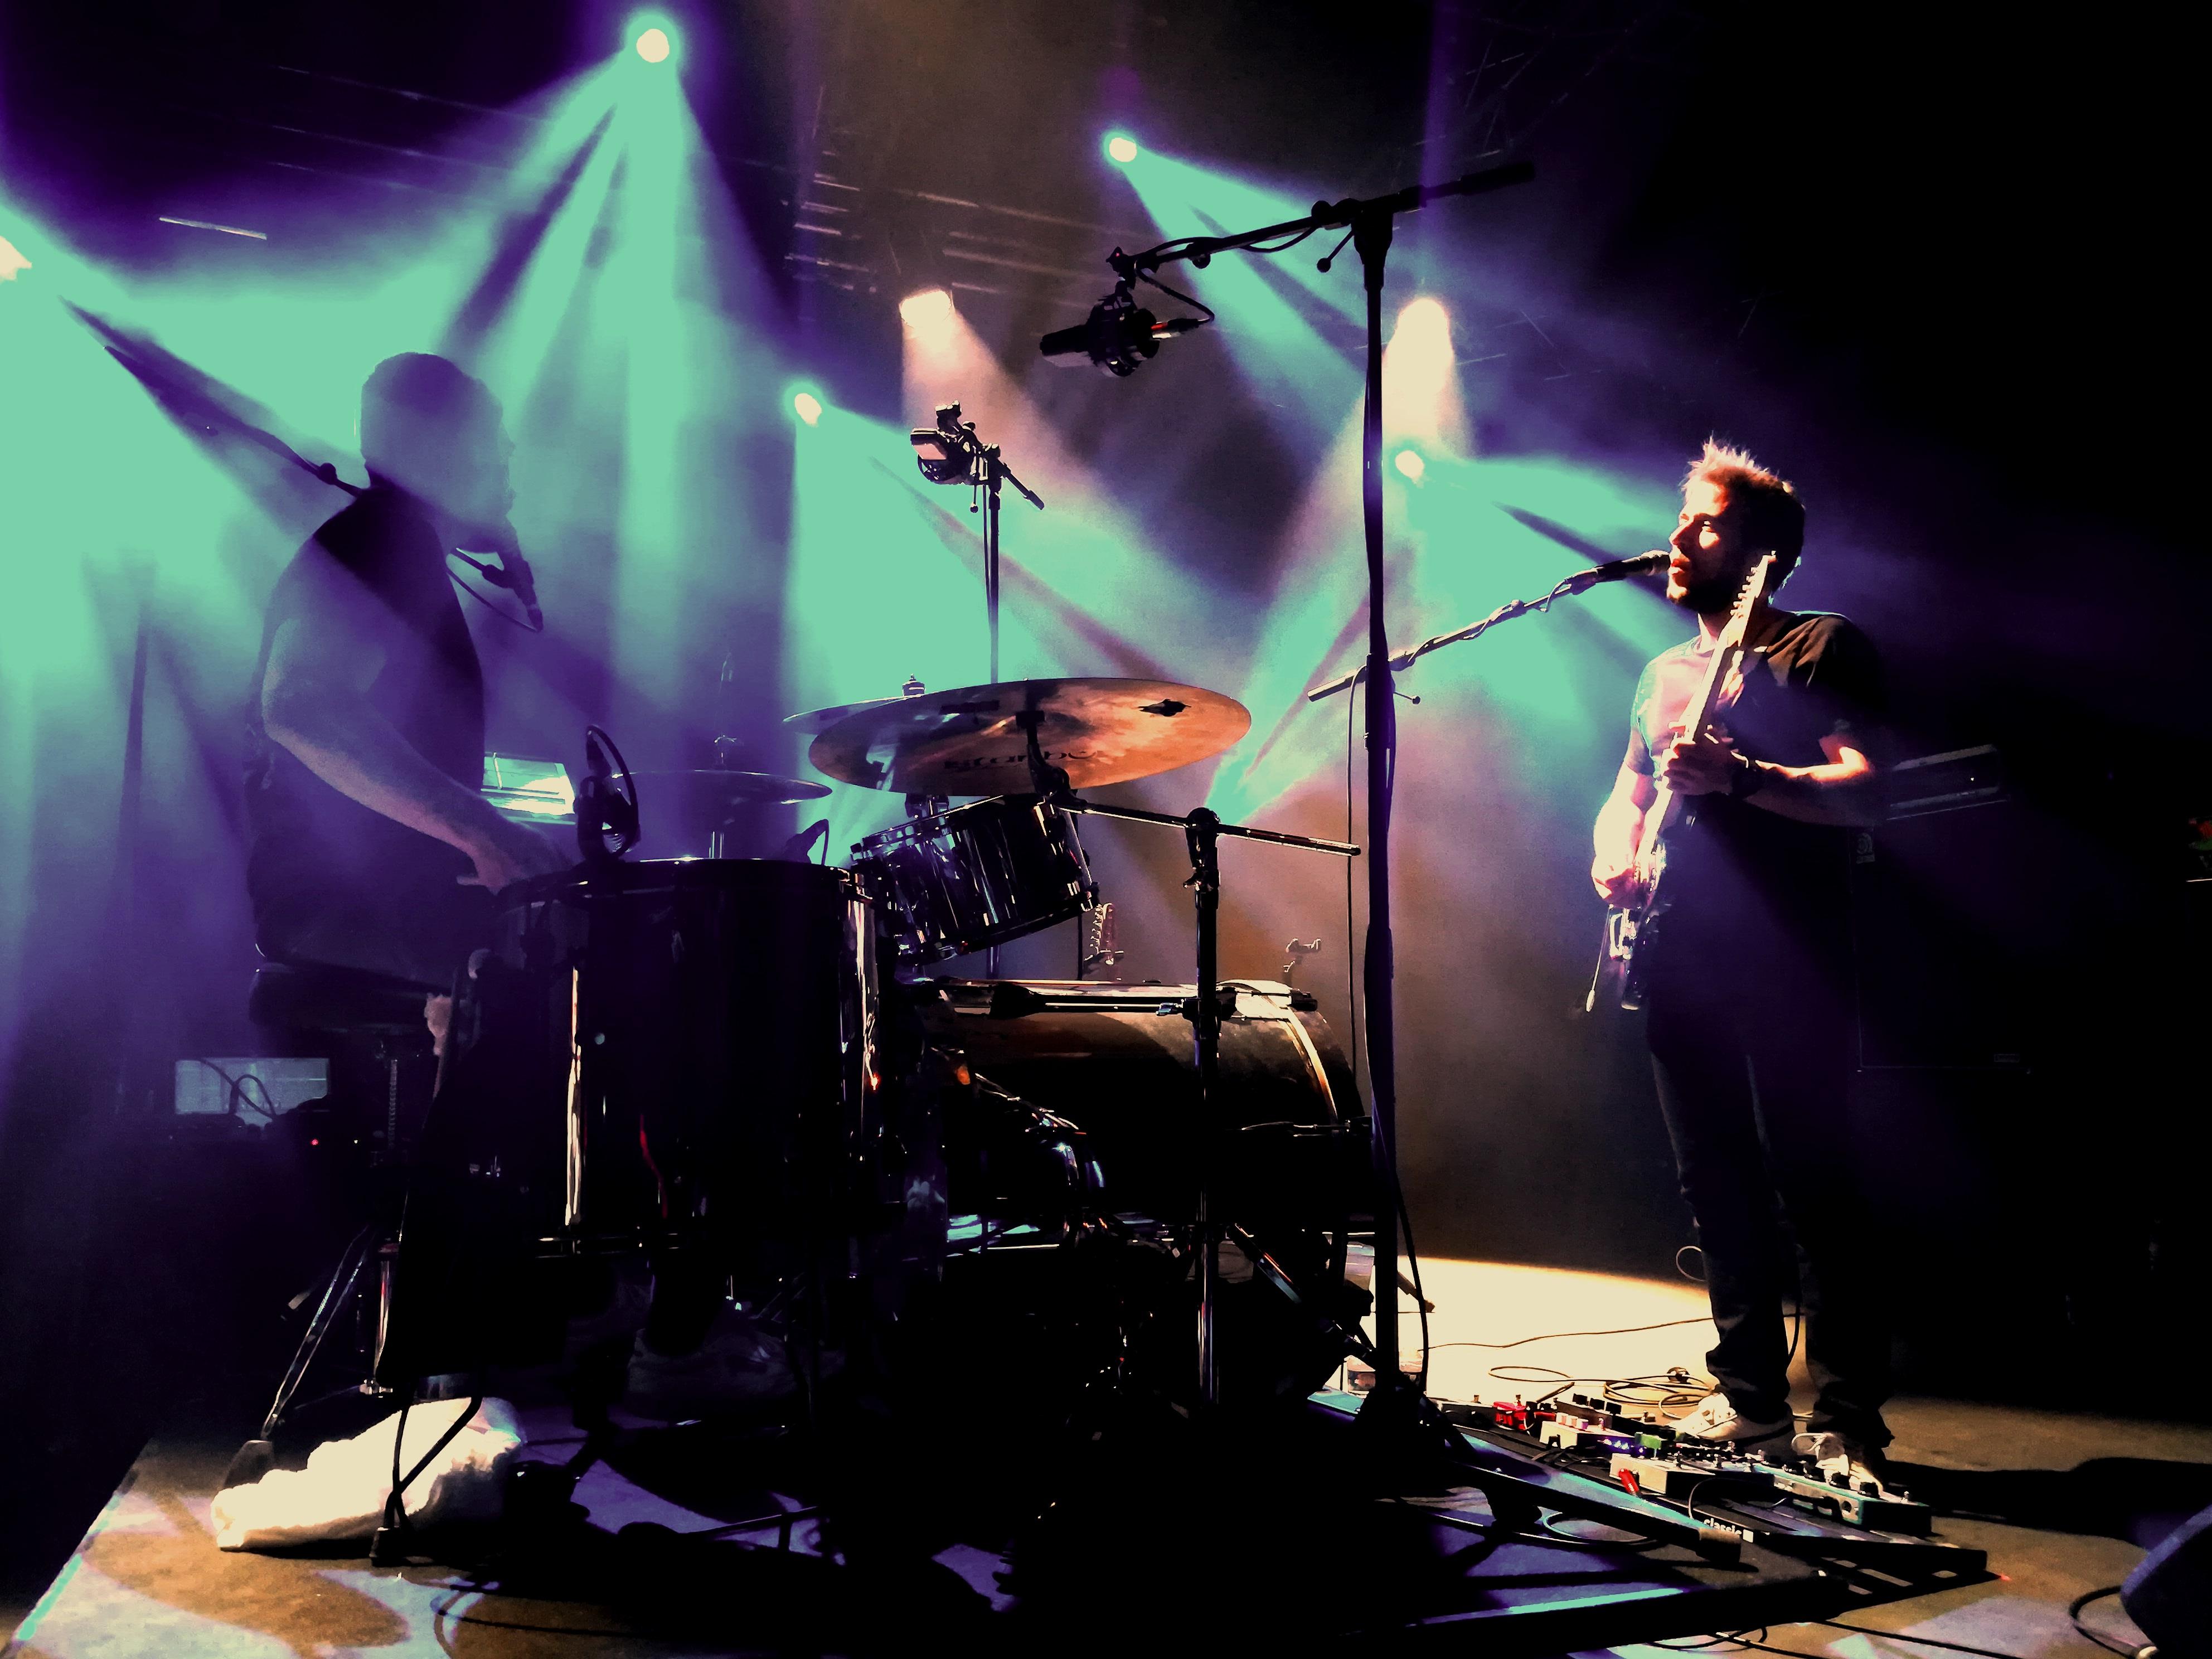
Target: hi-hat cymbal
(821, 719)
(971, 741)
(709, 788)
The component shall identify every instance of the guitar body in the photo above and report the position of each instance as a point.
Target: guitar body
(1624, 948)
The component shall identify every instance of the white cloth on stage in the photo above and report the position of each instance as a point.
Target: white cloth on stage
(342, 1493)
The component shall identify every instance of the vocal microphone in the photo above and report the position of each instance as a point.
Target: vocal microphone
(1116, 338)
(513, 573)
(1613, 570)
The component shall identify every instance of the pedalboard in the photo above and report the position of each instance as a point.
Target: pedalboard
(1646, 1455)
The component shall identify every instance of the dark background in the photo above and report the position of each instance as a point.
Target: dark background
(1931, 259)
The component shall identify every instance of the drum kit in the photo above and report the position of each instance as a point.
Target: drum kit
(746, 1061)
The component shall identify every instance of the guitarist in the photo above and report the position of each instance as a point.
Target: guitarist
(1748, 976)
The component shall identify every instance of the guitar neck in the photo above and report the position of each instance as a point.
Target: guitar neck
(1698, 712)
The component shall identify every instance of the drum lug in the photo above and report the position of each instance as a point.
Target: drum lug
(1224, 1004)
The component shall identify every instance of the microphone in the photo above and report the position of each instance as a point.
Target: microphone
(513, 573)
(1613, 570)
(1117, 336)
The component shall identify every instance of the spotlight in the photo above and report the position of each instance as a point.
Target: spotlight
(1410, 465)
(1424, 322)
(931, 308)
(1120, 148)
(806, 406)
(650, 36)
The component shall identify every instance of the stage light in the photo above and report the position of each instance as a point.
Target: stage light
(1424, 325)
(1120, 148)
(651, 36)
(929, 310)
(1410, 465)
(806, 406)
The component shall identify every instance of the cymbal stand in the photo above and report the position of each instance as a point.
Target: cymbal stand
(962, 458)
(1202, 831)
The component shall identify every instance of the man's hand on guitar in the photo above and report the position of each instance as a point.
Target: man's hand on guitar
(1704, 766)
(1616, 883)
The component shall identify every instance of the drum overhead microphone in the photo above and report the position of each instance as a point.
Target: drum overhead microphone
(1118, 336)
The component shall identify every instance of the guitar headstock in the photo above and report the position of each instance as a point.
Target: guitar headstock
(1747, 597)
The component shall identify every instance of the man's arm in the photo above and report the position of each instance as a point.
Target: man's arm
(314, 702)
(1619, 827)
(1844, 789)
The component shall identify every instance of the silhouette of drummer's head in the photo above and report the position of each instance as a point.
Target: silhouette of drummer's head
(435, 430)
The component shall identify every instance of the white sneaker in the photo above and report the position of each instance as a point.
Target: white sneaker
(1714, 1422)
(740, 1364)
(1839, 1461)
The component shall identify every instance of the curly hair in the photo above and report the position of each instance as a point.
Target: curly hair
(1773, 517)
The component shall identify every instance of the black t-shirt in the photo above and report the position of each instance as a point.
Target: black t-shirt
(379, 563)
(1738, 870)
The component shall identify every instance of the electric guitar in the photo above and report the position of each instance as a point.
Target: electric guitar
(1629, 928)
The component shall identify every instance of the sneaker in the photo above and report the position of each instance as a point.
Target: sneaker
(1714, 1422)
(623, 1317)
(1858, 1468)
(740, 1364)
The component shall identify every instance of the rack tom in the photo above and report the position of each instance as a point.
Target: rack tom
(958, 881)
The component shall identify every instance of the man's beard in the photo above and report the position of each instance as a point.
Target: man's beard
(1713, 597)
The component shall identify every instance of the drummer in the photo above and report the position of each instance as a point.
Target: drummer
(372, 846)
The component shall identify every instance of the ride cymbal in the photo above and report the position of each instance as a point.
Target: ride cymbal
(974, 741)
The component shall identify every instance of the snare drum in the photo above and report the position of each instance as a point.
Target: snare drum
(960, 880)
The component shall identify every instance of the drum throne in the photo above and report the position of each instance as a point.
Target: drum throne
(369, 1029)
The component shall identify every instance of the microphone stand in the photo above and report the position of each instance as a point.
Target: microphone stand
(967, 460)
(1581, 581)
(1369, 224)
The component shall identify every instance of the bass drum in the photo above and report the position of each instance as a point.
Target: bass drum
(1117, 1061)
(1072, 1163)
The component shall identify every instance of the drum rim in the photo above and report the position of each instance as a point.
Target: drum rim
(911, 830)
(661, 875)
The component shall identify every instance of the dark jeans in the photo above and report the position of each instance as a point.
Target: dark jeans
(1751, 1042)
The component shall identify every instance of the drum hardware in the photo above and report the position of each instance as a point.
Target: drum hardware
(1369, 226)
(951, 454)
(1095, 945)
(722, 812)
(1202, 831)
(920, 806)
(606, 815)
(1300, 950)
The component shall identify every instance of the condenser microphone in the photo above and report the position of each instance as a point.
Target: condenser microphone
(1116, 338)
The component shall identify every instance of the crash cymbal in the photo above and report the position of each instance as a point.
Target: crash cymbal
(821, 719)
(969, 741)
(707, 788)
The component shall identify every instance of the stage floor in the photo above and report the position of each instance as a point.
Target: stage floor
(2051, 1497)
